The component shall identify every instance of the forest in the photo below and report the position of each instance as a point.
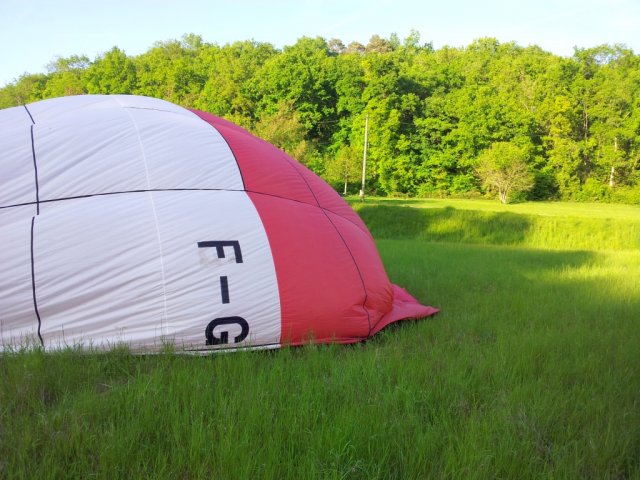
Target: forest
(431, 114)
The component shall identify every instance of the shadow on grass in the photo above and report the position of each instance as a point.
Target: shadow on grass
(495, 287)
(397, 202)
(445, 225)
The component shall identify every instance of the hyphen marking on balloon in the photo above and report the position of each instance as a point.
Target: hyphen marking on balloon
(224, 289)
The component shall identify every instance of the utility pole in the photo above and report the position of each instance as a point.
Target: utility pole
(364, 156)
(612, 182)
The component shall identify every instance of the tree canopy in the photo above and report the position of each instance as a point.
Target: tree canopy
(503, 168)
(434, 114)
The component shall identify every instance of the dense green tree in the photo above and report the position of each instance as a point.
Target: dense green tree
(434, 115)
(112, 72)
(172, 70)
(230, 69)
(284, 129)
(304, 75)
(350, 84)
(344, 167)
(613, 127)
(378, 44)
(67, 76)
(503, 168)
(28, 88)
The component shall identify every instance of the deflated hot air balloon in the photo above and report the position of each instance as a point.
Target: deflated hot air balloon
(130, 220)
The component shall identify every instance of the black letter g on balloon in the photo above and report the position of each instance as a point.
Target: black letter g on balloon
(224, 334)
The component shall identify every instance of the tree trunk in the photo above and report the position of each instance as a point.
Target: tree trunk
(612, 182)
(585, 124)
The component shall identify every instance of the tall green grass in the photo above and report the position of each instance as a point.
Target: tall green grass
(530, 371)
(555, 226)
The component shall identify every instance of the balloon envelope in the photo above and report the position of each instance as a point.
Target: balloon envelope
(127, 219)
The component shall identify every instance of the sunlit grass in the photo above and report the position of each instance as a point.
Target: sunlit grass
(552, 209)
(529, 371)
(547, 225)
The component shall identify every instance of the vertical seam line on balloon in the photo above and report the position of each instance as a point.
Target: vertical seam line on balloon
(33, 268)
(29, 113)
(292, 165)
(35, 169)
(155, 215)
(35, 164)
(33, 284)
(364, 287)
(233, 154)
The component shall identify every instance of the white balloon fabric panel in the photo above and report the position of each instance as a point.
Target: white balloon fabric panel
(115, 150)
(144, 268)
(16, 158)
(97, 273)
(18, 321)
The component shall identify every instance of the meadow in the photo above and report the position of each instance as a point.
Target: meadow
(530, 370)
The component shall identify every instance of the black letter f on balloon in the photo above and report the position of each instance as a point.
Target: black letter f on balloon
(219, 246)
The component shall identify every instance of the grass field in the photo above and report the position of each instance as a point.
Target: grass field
(531, 370)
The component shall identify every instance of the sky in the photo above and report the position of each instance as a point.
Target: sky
(36, 32)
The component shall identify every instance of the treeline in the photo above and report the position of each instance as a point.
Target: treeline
(431, 113)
